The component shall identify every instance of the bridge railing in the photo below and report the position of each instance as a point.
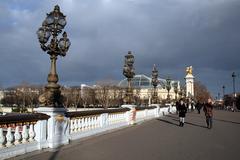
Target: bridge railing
(86, 123)
(19, 133)
(22, 133)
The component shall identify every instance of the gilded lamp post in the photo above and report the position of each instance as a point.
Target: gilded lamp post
(234, 91)
(128, 72)
(168, 87)
(154, 83)
(47, 34)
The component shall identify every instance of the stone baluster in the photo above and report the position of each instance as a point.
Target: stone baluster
(99, 121)
(25, 134)
(91, 123)
(114, 118)
(83, 123)
(2, 138)
(9, 137)
(119, 117)
(17, 136)
(92, 119)
(31, 133)
(88, 122)
(79, 124)
(75, 125)
(110, 119)
(71, 126)
(96, 121)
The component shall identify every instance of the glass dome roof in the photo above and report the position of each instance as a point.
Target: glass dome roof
(142, 81)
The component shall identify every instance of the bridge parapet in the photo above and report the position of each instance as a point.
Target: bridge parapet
(19, 133)
(22, 133)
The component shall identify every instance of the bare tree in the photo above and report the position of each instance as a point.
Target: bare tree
(108, 93)
(201, 92)
(88, 96)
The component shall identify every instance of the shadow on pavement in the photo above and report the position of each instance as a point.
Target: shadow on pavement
(162, 120)
(197, 125)
(54, 155)
(172, 116)
(222, 120)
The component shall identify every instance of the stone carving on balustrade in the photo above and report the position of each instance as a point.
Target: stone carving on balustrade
(31, 133)
(17, 136)
(9, 137)
(24, 134)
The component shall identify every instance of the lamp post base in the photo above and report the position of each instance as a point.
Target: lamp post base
(51, 97)
(58, 126)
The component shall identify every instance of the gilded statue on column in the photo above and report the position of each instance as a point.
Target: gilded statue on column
(189, 70)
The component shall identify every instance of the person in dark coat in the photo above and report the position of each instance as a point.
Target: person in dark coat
(198, 106)
(208, 109)
(182, 112)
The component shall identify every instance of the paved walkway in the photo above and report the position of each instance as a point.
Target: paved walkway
(160, 139)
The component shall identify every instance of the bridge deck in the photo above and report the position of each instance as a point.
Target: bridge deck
(158, 139)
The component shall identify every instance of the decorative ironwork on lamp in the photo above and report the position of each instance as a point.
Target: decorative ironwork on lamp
(129, 73)
(51, 27)
(154, 82)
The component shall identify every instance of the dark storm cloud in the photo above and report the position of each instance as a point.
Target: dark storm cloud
(169, 33)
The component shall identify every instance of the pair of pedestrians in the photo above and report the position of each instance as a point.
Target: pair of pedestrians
(182, 110)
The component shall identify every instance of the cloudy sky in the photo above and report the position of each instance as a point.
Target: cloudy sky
(169, 33)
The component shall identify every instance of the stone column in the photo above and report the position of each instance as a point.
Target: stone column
(189, 85)
(57, 126)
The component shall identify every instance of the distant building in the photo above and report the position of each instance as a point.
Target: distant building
(142, 85)
(1, 95)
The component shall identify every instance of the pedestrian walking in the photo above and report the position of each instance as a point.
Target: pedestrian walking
(208, 109)
(182, 109)
(198, 106)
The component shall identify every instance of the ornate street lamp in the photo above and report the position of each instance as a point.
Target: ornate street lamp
(234, 92)
(155, 83)
(168, 87)
(51, 27)
(223, 90)
(175, 87)
(128, 72)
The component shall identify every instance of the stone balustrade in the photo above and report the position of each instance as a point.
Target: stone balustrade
(86, 123)
(18, 133)
(22, 133)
